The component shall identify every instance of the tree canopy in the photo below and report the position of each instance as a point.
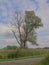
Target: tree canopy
(26, 28)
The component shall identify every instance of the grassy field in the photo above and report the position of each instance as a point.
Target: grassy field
(43, 62)
(13, 54)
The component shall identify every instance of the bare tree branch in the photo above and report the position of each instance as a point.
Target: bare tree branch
(15, 37)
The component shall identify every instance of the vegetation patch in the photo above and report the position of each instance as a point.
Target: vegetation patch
(44, 62)
(18, 53)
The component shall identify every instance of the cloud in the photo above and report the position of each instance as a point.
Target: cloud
(6, 42)
(43, 41)
(43, 11)
(3, 29)
(7, 13)
(6, 36)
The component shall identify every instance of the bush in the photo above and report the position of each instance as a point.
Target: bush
(11, 47)
(20, 53)
(47, 58)
(23, 53)
(1, 56)
(11, 55)
(44, 62)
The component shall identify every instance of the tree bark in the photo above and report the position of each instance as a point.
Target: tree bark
(24, 44)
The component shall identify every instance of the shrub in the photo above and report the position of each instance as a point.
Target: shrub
(20, 53)
(47, 58)
(11, 55)
(23, 53)
(1, 56)
(44, 62)
(11, 47)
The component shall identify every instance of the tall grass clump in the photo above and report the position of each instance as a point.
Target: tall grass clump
(44, 62)
(1, 56)
(20, 53)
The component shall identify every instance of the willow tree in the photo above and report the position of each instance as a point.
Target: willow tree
(26, 26)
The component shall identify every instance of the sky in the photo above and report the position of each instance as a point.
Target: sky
(7, 12)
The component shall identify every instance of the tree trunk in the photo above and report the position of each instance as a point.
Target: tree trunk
(25, 44)
(21, 45)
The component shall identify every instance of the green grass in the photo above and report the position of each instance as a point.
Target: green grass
(43, 62)
(21, 54)
(20, 58)
(16, 58)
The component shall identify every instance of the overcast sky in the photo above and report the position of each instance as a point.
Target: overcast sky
(7, 12)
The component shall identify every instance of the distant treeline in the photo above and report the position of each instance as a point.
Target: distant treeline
(10, 47)
(16, 47)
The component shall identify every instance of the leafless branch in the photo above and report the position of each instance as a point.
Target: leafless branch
(15, 37)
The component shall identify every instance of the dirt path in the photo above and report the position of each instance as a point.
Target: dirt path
(21, 62)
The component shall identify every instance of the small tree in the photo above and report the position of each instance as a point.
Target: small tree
(26, 26)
